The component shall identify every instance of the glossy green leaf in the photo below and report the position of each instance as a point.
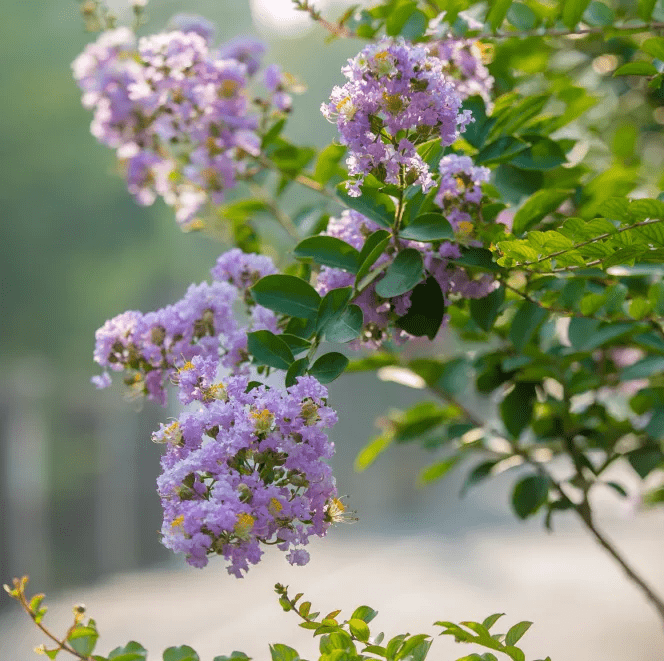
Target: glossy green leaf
(287, 294)
(426, 311)
(281, 652)
(332, 307)
(485, 311)
(359, 629)
(529, 495)
(543, 154)
(428, 227)
(329, 251)
(328, 367)
(295, 343)
(269, 349)
(500, 151)
(372, 204)
(132, 651)
(373, 248)
(402, 274)
(83, 638)
(364, 613)
(347, 327)
(297, 368)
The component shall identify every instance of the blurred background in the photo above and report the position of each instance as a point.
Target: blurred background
(78, 507)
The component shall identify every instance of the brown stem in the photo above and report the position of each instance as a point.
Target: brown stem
(336, 30)
(556, 32)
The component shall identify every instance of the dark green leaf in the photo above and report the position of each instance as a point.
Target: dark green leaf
(599, 14)
(644, 368)
(485, 311)
(428, 227)
(529, 495)
(636, 69)
(373, 248)
(372, 204)
(543, 154)
(426, 311)
(328, 367)
(329, 251)
(347, 327)
(402, 274)
(415, 26)
(477, 131)
(298, 368)
(536, 207)
(273, 133)
(332, 306)
(182, 653)
(516, 410)
(287, 294)
(296, 344)
(479, 473)
(235, 656)
(526, 321)
(501, 150)
(269, 349)
(521, 16)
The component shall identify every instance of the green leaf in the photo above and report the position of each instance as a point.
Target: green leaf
(242, 210)
(369, 453)
(329, 251)
(182, 653)
(646, 8)
(529, 495)
(428, 227)
(497, 11)
(235, 656)
(132, 651)
(598, 14)
(588, 334)
(372, 204)
(516, 632)
(437, 471)
(328, 367)
(573, 11)
(295, 343)
(364, 613)
(485, 311)
(298, 368)
(359, 629)
(644, 368)
(636, 69)
(543, 154)
(399, 14)
(655, 47)
(426, 311)
(327, 164)
(526, 321)
(288, 295)
(83, 638)
(477, 475)
(332, 306)
(536, 207)
(645, 460)
(347, 327)
(402, 274)
(281, 652)
(501, 150)
(477, 131)
(521, 16)
(269, 349)
(491, 620)
(516, 410)
(373, 248)
(415, 26)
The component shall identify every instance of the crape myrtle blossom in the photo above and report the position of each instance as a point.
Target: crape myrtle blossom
(245, 468)
(396, 97)
(380, 313)
(176, 110)
(152, 348)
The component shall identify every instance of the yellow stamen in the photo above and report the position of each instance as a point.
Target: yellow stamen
(245, 522)
(274, 507)
(263, 420)
(228, 88)
(178, 522)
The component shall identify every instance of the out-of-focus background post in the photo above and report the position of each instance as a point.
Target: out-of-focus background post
(78, 508)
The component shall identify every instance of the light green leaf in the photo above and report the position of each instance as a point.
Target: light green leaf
(654, 46)
(182, 653)
(516, 632)
(497, 11)
(572, 11)
(636, 69)
(359, 629)
(646, 8)
(437, 471)
(369, 453)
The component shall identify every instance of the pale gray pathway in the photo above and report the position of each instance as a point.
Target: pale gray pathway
(582, 606)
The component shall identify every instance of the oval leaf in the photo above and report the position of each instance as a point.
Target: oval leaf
(347, 327)
(329, 251)
(328, 367)
(428, 227)
(426, 311)
(332, 306)
(269, 349)
(402, 274)
(529, 495)
(287, 294)
(298, 368)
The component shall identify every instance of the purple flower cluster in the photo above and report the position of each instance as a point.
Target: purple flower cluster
(151, 348)
(175, 110)
(246, 468)
(380, 313)
(460, 191)
(397, 96)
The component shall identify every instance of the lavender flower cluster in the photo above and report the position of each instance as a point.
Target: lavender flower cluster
(396, 97)
(245, 469)
(176, 110)
(152, 347)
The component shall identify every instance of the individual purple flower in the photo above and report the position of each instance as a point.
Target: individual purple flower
(247, 50)
(245, 469)
(193, 23)
(396, 97)
(241, 269)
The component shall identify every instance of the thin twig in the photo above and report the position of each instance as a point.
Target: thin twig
(557, 32)
(336, 30)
